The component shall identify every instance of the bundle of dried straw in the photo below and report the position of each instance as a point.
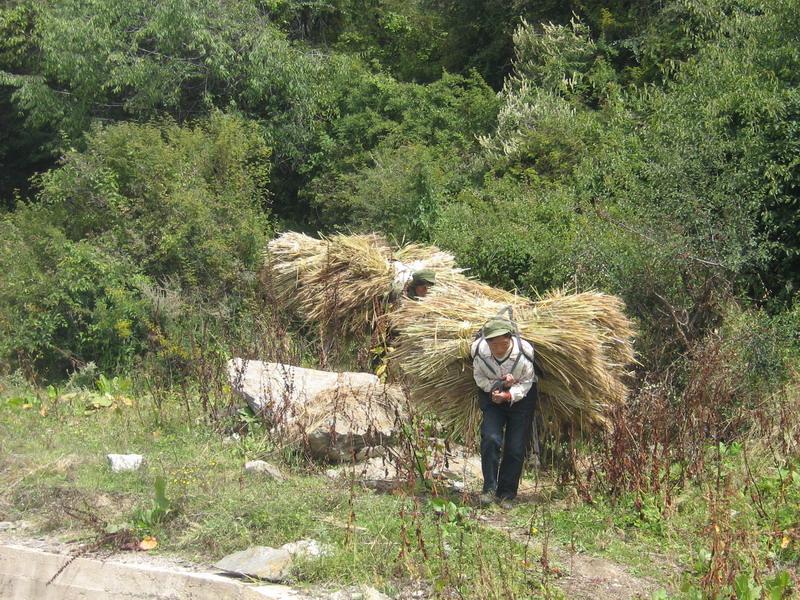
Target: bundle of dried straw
(345, 283)
(349, 284)
(582, 348)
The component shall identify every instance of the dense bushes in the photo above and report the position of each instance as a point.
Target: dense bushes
(65, 302)
(145, 206)
(180, 202)
(646, 152)
(512, 234)
(672, 196)
(394, 139)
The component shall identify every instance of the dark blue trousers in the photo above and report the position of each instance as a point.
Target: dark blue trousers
(505, 434)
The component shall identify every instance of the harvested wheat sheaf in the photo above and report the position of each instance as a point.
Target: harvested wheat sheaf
(351, 284)
(582, 348)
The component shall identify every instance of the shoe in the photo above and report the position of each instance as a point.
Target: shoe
(505, 503)
(486, 498)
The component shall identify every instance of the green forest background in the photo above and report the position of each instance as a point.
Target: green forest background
(149, 150)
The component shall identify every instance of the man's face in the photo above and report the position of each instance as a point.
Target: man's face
(421, 290)
(499, 345)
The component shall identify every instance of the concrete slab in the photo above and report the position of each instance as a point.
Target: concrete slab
(24, 573)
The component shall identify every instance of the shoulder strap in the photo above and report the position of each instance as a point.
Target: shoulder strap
(479, 338)
(478, 354)
(517, 336)
(516, 362)
(522, 348)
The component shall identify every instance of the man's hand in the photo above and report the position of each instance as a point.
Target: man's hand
(508, 380)
(499, 397)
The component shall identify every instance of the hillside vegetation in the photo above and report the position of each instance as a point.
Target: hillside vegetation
(150, 150)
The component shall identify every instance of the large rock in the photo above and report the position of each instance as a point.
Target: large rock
(272, 564)
(337, 416)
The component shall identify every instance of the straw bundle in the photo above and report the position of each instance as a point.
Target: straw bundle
(346, 283)
(340, 283)
(582, 345)
(350, 284)
(288, 259)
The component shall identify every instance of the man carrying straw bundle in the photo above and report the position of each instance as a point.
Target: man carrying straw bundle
(503, 370)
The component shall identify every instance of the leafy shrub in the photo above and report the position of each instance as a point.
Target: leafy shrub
(64, 303)
(401, 194)
(180, 202)
(397, 143)
(511, 235)
(762, 349)
(144, 207)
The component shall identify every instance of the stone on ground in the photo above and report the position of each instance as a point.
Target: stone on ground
(271, 564)
(125, 462)
(305, 549)
(456, 468)
(262, 467)
(261, 562)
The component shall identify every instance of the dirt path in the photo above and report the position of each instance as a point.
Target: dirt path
(592, 577)
(579, 576)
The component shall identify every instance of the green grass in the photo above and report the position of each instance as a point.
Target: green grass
(743, 521)
(52, 464)
(655, 550)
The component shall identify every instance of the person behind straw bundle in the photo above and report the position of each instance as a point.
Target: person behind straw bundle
(420, 284)
(503, 369)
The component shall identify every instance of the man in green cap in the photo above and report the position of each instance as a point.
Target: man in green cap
(421, 282)
(502, 364)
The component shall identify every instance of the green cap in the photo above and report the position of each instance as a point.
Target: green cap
(424, 276)
(497, 327)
